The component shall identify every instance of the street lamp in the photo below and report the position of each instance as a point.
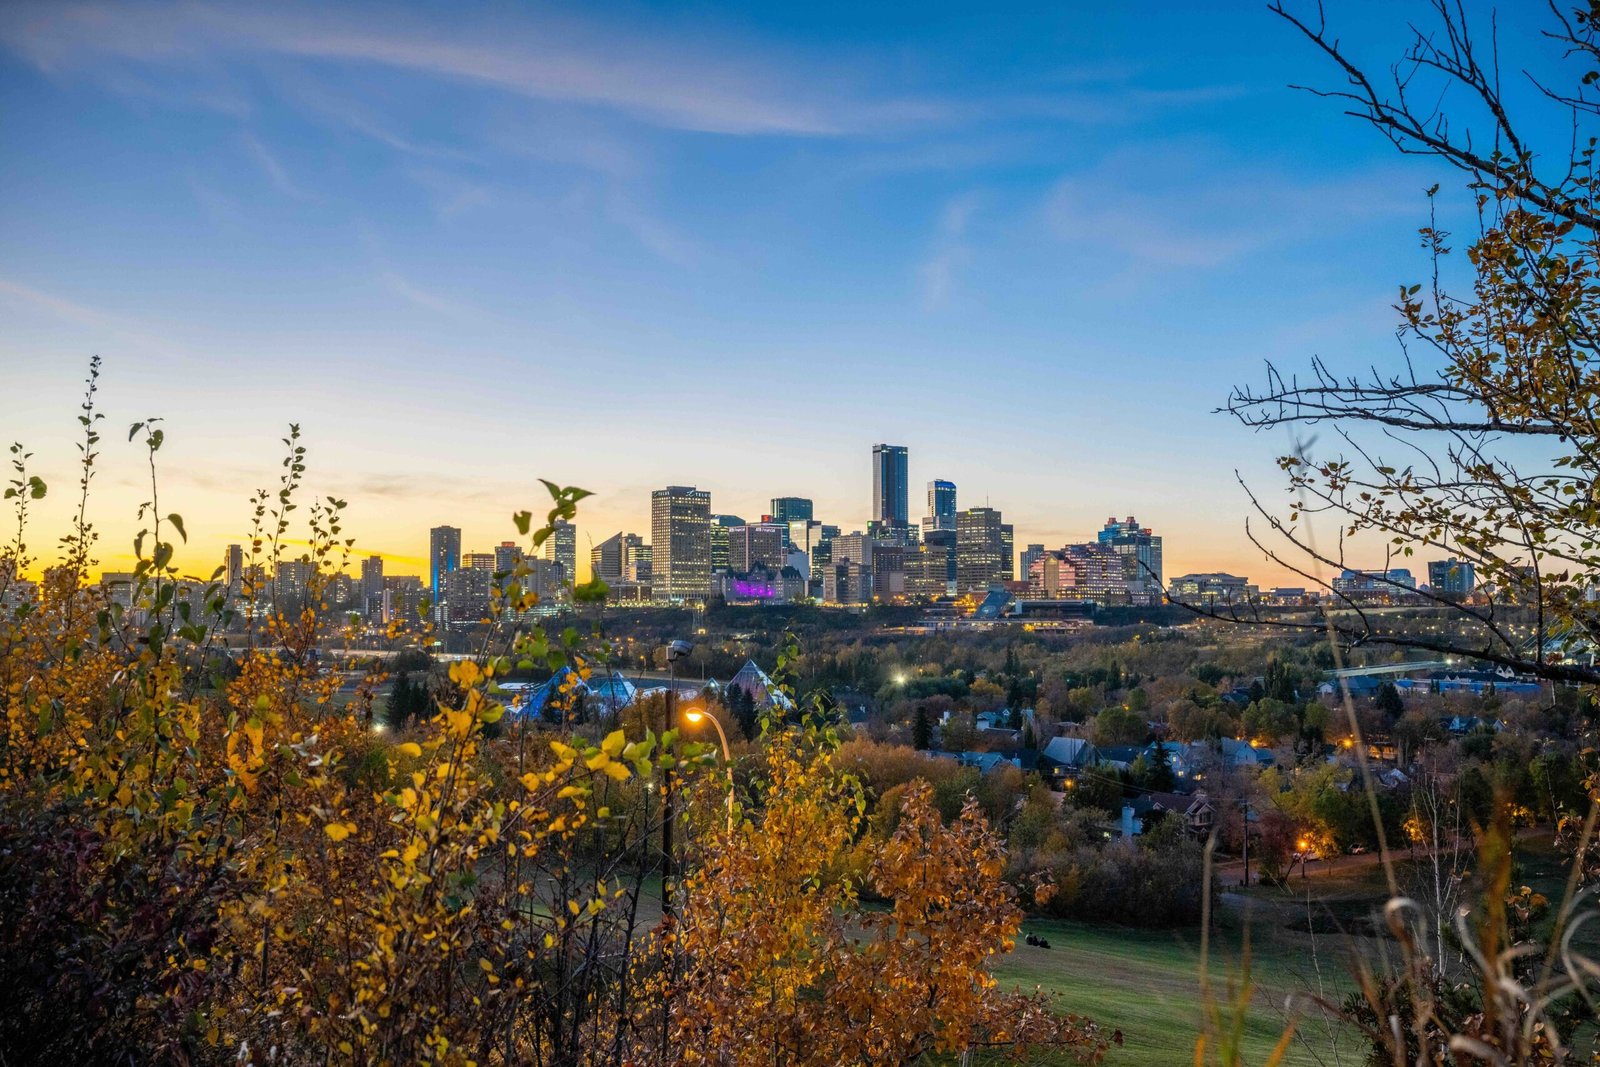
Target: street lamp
(697, 716)
(675, 651)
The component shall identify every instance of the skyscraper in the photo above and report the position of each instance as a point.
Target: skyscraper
(605, 559)
(1140, 550)
(444, 556)
(791, 509)
(680, 543)
(507, 554)
(562, 547)
(1451, 577)
(371, 582)
(1025, 562)
(756, 544)
(233, 569)
(889, 487)
(983, 549)
(941, 506)
(720, 525)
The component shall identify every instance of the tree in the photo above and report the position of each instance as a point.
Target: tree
(1389, 702)
(773, 964)
(1118, 726)
(1495, 406)
(921, 730)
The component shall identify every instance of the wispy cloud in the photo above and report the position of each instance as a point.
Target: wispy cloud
(274, 170)
(673, 84)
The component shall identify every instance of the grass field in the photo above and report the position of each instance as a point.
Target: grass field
(1147, 983)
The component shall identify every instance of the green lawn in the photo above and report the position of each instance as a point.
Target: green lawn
(1147, 984)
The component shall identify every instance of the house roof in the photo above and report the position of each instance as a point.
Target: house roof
(1070, 752)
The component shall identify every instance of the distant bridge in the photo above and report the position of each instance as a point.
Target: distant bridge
(1392, 668)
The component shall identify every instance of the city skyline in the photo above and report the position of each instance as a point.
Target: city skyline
(1041, 275)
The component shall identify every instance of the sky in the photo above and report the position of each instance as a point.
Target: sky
(625, 245)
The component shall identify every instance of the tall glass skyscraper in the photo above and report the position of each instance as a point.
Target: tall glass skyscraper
(941, 506)
(1140, 549)
(791, 509)
(444, 556)
(889, 486)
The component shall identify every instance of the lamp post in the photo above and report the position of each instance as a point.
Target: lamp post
(697, 716)
(676, 650)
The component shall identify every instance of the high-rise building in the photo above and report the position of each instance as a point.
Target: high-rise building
(635, 558)
(889, 486)
(467, 593)
(291, 582)
(507, 554)
(444, 556)
(1140, 550)
(1452, 578)
(757, 544)
(1025, 561)
(605, 559)
(788, 509)
(680, 543)
(941, 513)
(233, 569)
(478, 561)
(983, 549)
(371, 584)
(562, 547)
(852, 548)
(720, 525)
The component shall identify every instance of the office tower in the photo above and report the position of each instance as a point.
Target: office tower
(635, 558)
(1451, 578)
(478, 561)
(402, 599)
(507, 554)
(720, 525)
(562, 547)
(852, 548)
(1396, 581)
(983, 550)
(788, 509)
(1025, 561)
(680, 543)
(803, 535)
(889, 571)
(444, 556)
(291, 582)
(372, 587)
(889, 487)
(605, 559)
(233, 569)
(467, 592)
(1141, 555)
(941, 513)
(756, 544)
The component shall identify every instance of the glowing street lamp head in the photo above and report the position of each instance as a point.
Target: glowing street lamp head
(694, 715)
(900, 679)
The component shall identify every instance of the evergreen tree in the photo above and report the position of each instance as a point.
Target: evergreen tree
(1388, 700)
(921, 730)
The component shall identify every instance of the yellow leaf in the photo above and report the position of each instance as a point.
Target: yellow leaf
(337, 831)
(619, 771)
(409, 748)
(613, 744)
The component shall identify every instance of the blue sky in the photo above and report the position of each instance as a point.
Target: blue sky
(626, 245)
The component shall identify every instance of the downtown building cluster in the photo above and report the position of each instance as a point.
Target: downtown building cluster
(694, 553)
